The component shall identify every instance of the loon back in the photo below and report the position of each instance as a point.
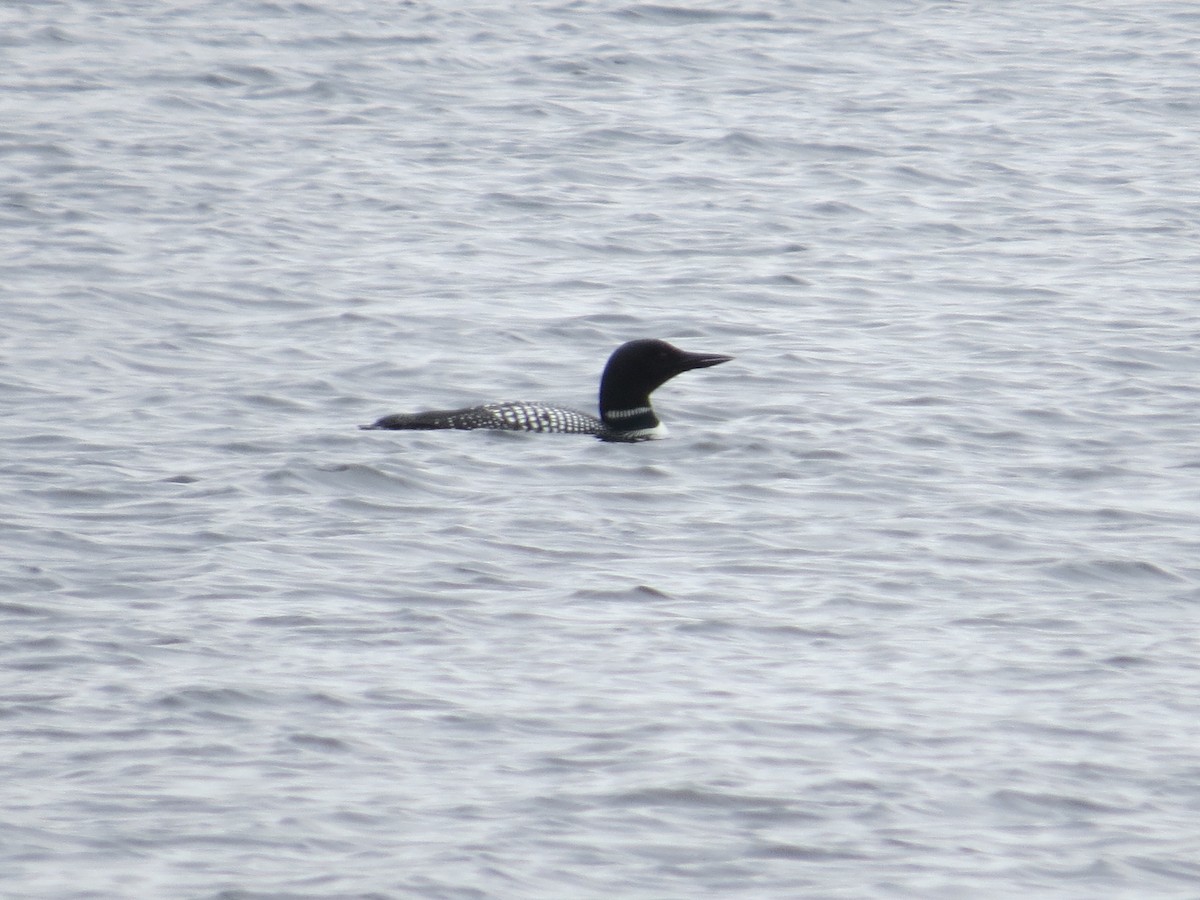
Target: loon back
(514, 416)
(632, 373)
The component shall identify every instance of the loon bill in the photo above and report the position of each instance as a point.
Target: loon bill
(633, 371)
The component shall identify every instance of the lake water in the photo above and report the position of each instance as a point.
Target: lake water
(906, 607)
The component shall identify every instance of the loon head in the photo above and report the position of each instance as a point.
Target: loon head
(635, 370)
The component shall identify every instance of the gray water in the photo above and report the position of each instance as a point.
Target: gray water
(905, 607)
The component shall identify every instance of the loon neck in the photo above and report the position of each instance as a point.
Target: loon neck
(638, 417)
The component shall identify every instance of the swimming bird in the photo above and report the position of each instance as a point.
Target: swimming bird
(633, 371)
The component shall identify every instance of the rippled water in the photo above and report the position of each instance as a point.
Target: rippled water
(906, 606)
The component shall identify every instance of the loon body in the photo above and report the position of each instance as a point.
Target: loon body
(633, 371)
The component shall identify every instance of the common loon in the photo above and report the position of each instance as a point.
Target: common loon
(633, 371)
